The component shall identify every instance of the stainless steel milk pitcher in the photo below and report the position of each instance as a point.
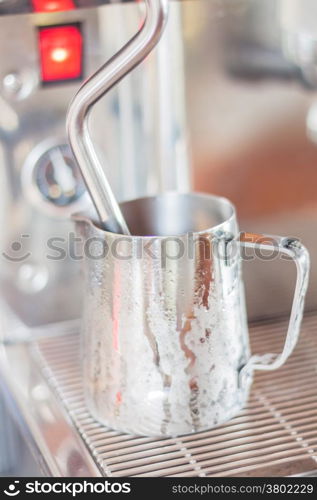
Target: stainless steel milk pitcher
(165, 335)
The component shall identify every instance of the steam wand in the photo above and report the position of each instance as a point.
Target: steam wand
(95, 87)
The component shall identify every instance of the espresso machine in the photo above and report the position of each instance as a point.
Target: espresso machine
(226, 104)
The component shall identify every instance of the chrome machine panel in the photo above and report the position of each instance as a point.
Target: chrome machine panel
(139, 131)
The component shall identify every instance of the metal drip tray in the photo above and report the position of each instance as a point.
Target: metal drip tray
(275, 435)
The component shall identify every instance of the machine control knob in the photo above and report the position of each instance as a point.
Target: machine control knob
(52, 180)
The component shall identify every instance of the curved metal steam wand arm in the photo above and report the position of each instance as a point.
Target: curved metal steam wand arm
(124, 61)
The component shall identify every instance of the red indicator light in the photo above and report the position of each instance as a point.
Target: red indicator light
(60, 53)
(53, 5)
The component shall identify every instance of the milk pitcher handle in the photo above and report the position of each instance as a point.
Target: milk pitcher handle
(290, 247)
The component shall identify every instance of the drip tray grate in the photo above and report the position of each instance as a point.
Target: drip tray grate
(275, 435)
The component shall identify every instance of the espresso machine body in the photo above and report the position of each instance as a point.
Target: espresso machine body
(42, 186)
(47, 50)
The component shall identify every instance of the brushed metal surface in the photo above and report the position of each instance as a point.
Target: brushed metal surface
(165, 335)
(149, 102)
(274, 435)
(164, 323)
(54, 443)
